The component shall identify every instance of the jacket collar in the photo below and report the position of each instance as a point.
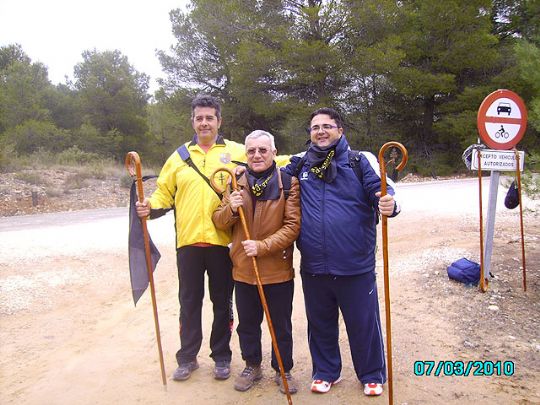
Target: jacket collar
(219, 140)
(342, 148)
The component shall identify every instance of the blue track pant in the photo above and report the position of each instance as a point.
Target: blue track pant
(356, 297)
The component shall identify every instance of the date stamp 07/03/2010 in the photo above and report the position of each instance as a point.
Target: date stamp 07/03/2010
(458, 368)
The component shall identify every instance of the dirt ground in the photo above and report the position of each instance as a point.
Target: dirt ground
(75, 337)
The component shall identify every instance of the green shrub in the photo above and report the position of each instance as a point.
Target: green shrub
(530, 182)
(7, 161)
(90, 139)
(40, 158)
(33, 135)
(75, 156)
(532, 162)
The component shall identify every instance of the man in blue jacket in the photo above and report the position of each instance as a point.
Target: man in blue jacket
(338, 244)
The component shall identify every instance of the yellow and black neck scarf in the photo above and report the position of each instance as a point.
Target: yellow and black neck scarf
(264, 185)
(322, 163)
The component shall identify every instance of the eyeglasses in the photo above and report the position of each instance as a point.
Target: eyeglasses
(252, 151)
(324, 127)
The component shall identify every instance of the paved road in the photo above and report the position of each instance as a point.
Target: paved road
(73, 233)
(449, 197)
(21, 222)
(97, 230)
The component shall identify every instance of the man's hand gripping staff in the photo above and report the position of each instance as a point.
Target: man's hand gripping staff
(236, 204)
(386, 210)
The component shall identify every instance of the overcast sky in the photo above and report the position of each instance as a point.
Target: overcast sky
(56, 32)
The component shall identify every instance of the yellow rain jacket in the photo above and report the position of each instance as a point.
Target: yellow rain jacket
(182, 188)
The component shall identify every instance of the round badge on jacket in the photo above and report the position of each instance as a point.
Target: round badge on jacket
(225, 158)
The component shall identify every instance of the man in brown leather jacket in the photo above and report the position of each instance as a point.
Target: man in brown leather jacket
(274, 223)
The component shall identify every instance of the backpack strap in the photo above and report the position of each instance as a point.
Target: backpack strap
(186, 157)
(238, 163)
(354, 162)
(298, 165)
(286, 180)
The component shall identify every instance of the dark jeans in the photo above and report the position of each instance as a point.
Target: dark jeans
(250, 315)
(192, 263)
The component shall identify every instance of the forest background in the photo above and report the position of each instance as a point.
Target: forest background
(414, 71)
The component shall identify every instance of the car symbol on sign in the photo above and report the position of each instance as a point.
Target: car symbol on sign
(504, 107)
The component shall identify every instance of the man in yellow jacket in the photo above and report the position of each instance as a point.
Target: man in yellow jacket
(200, 246)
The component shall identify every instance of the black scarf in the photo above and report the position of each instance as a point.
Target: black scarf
(321, 161)
(264, 185)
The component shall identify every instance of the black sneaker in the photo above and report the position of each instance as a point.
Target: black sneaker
(222, 370)
(183, 372)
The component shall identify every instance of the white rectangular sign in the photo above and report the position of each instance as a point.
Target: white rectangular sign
(497, 160)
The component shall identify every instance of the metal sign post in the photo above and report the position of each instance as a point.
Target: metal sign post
(490, 221)
(496, 161)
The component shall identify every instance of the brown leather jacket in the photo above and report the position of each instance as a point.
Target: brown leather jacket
(275, 225)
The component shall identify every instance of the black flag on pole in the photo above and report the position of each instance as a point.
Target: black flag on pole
(137, 259)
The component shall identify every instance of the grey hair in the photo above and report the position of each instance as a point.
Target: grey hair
(258, 133)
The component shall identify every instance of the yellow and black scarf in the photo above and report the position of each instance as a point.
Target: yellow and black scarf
(322, 163)
(264, 185)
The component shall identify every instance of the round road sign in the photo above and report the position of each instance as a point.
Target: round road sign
(502, 120)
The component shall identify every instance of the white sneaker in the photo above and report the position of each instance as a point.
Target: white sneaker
(323, 386)
(373, 389)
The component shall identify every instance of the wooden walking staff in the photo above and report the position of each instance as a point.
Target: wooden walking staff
(518, 177)
(483, 279)
(132, 159)
(399, 167)
(258, 278)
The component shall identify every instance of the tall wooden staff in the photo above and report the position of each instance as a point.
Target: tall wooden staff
(518, 176)
(259, 283)
(132, 159)
(399, 167)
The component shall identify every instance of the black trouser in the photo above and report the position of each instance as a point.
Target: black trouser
(192, 262)
(250, 315)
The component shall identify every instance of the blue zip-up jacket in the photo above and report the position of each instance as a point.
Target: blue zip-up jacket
(338, 227)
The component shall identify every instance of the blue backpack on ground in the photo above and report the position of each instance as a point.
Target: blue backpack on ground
(464, 271)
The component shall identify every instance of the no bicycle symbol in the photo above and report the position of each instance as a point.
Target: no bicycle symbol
(502, 120)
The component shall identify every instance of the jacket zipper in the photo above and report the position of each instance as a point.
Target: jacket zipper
(323, 218)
